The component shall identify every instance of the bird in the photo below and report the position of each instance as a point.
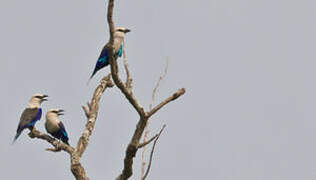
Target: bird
(103, 59)
(31, 114)
(54, 126)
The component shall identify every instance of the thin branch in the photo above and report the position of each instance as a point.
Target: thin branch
(152, 153)
(158, 83)
(58, 146)
(177, 94)
(147, 142)
(143, 164)
(129, 80)
(86, 111)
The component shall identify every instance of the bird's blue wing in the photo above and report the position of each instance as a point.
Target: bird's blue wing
(28, 119)
(63, 133)
(37, 117)
(102, 61)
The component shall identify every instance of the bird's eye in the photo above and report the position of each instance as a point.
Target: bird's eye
(39, 97)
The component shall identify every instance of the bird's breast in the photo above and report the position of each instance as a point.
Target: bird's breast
(51, 126)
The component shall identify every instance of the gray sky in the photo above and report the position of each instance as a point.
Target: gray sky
(248, 67)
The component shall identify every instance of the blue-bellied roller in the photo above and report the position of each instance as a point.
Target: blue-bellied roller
(54, 126)
(31, 114)
(103, 59)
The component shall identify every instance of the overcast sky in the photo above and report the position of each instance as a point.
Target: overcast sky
(248, 66)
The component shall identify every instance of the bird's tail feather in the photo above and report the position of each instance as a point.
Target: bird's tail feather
(88, 81)
(94, 71)
(16, 137)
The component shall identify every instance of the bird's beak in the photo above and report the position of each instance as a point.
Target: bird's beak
(127, 30)
(44, 96)
(60, 112)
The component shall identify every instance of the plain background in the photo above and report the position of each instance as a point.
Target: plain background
(248, 67)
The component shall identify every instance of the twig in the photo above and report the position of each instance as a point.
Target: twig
(177, 94)
(158, 83)
(143, 164)
(147, 142)
(129, 80)
(152, 153)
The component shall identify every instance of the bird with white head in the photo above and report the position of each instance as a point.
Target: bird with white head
(103, 59)
(54, 126)
(31, 114)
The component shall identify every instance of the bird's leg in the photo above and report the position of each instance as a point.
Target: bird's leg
(31, 128)
(58, 144)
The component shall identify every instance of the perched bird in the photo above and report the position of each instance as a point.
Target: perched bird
(54, 126)
(103, 59)
(31, 114)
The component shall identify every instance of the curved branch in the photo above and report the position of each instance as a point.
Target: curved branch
(129, 80)
(147, 142)
(91, 113)
(58, 146)
(152, 153)
(177, 94)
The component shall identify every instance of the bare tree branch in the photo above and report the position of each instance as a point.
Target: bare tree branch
(152, 153)
(147, 142)
(143, 164)
(114, 69)
(177, 94)
(58, 146)
(129, 80)
(86, 111)
(91, 114)
(133, 145)
(158, 83)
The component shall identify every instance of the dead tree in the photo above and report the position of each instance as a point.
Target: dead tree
(91, 112)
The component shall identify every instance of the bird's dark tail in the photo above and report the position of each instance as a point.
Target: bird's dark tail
(94, 71)
(16, 137)
(65, 139)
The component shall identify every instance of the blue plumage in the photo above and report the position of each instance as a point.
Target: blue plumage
(37, 117)
(103, 59)
(61, 133)
(28, 119)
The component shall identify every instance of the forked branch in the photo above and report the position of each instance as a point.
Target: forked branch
(134, 143)
(152, 153)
